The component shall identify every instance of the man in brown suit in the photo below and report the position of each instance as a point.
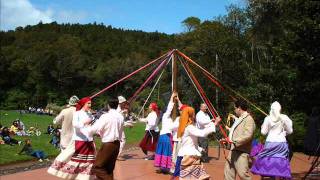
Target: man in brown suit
(65, 119)
(241, 136)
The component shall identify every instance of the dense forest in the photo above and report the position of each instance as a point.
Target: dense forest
(266, 51)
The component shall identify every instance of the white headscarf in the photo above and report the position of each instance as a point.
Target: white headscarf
(275, 112)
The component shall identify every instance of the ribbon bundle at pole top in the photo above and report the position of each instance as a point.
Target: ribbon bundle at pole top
(153, 74)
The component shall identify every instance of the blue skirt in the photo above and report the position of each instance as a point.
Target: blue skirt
(163, 156)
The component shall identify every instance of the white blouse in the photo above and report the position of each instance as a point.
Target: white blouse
(79, 118)
(277, 131)
(151, 121)
(167, 123)
(175, 127)
(202, 119)
(189, 142)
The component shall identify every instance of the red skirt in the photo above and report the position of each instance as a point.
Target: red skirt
(75, 162)
(150, 140)
(84, 152)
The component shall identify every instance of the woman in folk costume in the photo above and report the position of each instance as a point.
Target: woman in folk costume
(163, 156)
(77, 165)
(191, 166)
(273, 159)
(150, 140)
(176, 140)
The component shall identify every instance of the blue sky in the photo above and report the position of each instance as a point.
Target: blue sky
(147, 15)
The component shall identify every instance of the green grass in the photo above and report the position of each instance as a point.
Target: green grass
(8, 154)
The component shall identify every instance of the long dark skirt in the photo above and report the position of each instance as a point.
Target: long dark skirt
(150, 140)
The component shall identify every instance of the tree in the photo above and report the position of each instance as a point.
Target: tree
(191, 23)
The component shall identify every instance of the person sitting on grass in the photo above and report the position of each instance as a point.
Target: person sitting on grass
(50, 129)
(55, 140)
(14, 127)
(7, 138)
(27, 149)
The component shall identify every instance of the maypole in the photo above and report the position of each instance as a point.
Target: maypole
(174, 83)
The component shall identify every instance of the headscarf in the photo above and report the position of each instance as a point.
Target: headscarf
(155, 108)
(275, 112)
(82, 102)
(182, 107)
(73, 100)
(121, 99)
(185, 120)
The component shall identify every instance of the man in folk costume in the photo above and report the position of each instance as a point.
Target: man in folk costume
(65, 119)
(273, 160)
(77, 165)
(241, 136)
(110, 128)
(123, 108)
(203, 119)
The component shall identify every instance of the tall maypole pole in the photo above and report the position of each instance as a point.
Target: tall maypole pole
(174, 81)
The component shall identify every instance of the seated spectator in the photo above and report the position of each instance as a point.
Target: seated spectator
(14, 127)
(27, 149)
(21, 128)
(7, 138)
(55, 140)
(50, 129)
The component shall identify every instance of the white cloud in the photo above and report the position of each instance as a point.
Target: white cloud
(16, 13)
(64, 16)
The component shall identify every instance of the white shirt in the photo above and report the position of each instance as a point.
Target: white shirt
(109, 126)
(79, 118)
(237, 121)
(202, 119)
(151, 121)
(175, 129)
(277, 131)
(65, 118)
(167, 123)
(189, 142)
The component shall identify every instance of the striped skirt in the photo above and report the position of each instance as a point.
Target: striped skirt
(75, 162)
(273, 161)
(163, 156)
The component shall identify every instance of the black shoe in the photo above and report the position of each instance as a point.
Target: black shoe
(205, 160)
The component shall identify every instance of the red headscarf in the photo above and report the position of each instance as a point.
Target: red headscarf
(182, 107)
(155, 108)
(82, 102)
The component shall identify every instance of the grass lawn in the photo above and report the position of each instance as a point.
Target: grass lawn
(8, 154)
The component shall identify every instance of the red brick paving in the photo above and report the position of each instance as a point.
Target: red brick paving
(136, 168)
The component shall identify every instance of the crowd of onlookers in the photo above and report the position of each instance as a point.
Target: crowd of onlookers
(18, 128)
(7, 134)
(40, 111)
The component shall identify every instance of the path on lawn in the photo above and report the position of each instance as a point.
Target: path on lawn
(136, 168)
